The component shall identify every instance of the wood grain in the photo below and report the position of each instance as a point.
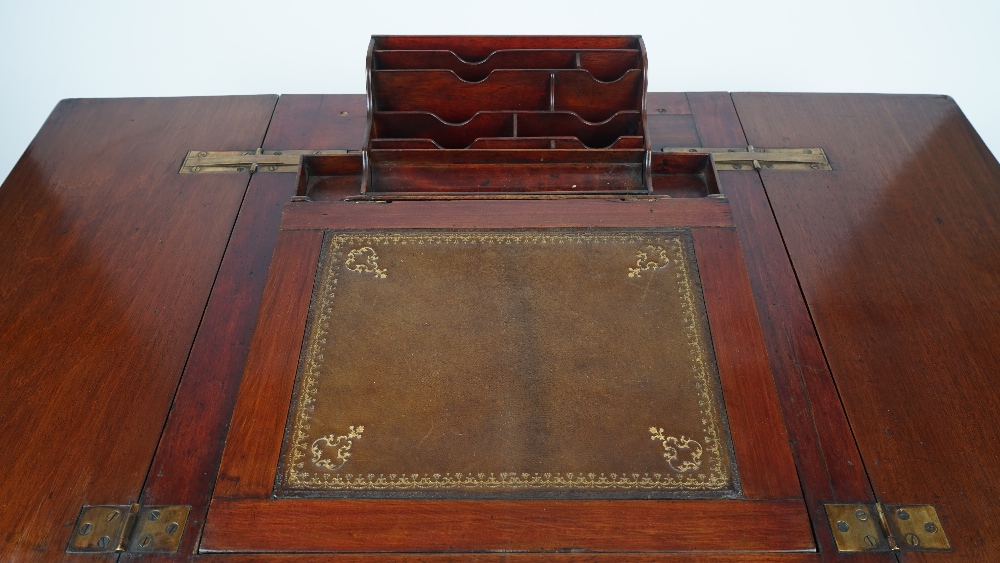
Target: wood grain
(659, 103)
(251, 453)
(765, 463)
(499, 214)
(897, 251)
(186, 462)
(419, 526)
(828, 462)
(107, 257)
(318, 121)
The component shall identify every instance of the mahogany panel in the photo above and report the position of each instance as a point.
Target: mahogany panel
(897, 251)
(251, 453)
(107, 257)
(418, 526)
(762, 453)
(667, 103)
(318, 121)
(489, 214)
(828, 462)
(671, 130)
(187, 459)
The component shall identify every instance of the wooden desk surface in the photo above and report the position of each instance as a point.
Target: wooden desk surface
(129, 292)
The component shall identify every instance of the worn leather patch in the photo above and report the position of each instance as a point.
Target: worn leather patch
(478, 364)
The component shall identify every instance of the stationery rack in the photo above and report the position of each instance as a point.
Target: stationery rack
(508, 116)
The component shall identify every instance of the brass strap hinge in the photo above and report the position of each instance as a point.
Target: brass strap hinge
(878, 527)
(751, 158)
(132, 528)
(248, 161)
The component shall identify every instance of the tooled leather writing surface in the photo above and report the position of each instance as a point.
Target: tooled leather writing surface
(522, 363)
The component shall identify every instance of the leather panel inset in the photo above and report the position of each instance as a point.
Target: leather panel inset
(539, 364)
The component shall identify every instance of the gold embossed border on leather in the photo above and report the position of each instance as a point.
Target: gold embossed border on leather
(329, 450)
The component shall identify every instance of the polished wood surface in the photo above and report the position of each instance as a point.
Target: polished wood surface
(251, 458)
(107, 257)
(251, 454)
(419, 526)
(703, 212)
(828, 462)
(897, 252)
(186, 464)
(765, 462)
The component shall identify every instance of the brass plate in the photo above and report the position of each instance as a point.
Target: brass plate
(99, 529)
(917, 527)
(159, 529)
(751, 158)
(856, 528)
(248, 162)
(543, 364)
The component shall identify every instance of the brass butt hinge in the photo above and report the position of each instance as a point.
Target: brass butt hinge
(751, 158)
(132, 528)
(879, 527)
(247, 161)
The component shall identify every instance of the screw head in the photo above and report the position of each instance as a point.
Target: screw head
(112, 515)
(737, 166)
(814, 166)
(103, 542)
(661, 110)
(172, 528)
(861, 514)
(870, 540)
(809, 151)
(272, 168)
(277, 152)
(241, 169)
(768, 166)
(912, 539)
(144, 541)
(902, 514)
(930, 527)
(842, 526)
(153, 515)
(196, 169)
(343, 113)
(203, 153)
(86, 528)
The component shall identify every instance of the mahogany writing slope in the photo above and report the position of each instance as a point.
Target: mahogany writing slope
(510, 306)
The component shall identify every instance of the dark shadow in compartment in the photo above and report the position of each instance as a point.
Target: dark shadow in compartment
(566, 124)
(577, 91)
(444, 94)
(476, 48)
(684, 175)
(421, 125)
(330, 177)
(605, 66)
